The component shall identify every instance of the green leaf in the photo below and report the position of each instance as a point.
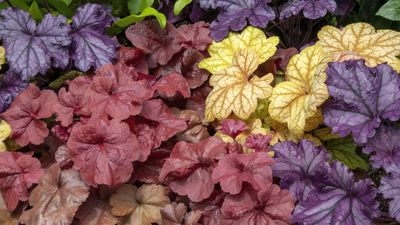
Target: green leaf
(126, 21)
(390, 10)
(35, 12)
(67, 2)
(137, 6)
(20, 4)
(56, 84)
(180, 5)
(61, 7)
(344, 150)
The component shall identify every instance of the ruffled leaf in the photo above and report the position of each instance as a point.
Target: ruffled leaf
(31, 48)
(390, 188)
(235, 15)
(235, 90)
(339, 199)
(361, 98)
(26, 112)
(298, 98)
(384, 148)
(273, 206)
(236, 170)
(361, 41)
(103, 151)
(141, 206)
(223, 53)
(56, 198)
(160, 44)
(18, 172)
(91, 47)
(188, 169)
(297, 166)
(312, 9)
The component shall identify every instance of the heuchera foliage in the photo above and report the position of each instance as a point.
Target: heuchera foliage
(361, 98)
(33, 48)
(209, 121)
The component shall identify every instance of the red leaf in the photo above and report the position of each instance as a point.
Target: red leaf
(167, 125)
(170, 84)
(196, 131)
(210, 208)
(18, 172)
(186, 64)
(251, 207)
(133, 57)
(149, 170)
(25, 113)
(258, 142)
(103, 151)
(56, 199)
(188, 169)
(235, 169)
(198, 100)
(194, 36)
(75, 101)
(175, 214)
(116, 94)
(232, 127)
(160, 43)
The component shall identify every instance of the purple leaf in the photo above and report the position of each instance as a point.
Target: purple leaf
(339, 199)
(31, 48)
(386, 148)
(390, 188)
(297, 166)
(91, 47)
(10, 87)
(361, 98)
(207, 4)
(312, 9)
(234, 15)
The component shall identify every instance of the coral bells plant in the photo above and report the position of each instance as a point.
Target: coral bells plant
(199, 112)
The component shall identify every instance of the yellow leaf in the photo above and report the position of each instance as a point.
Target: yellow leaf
(236, 90)
(361, 40)
(224, 137)
(281, 133)
(222, 53)
(314, 121)
(2, 56)
(297, 99)
(5, 132)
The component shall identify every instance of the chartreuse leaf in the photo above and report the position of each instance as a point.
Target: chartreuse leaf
(5, 132)
(126, 21)
(361, 41)
(35, 12)
(180, 5)
(390, 10)
(298, 98)
(222, 53)
(235, 89)
(137, 6)
(61, 7)
(344, 150)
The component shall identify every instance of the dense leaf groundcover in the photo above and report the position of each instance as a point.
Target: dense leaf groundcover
(199, 112)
